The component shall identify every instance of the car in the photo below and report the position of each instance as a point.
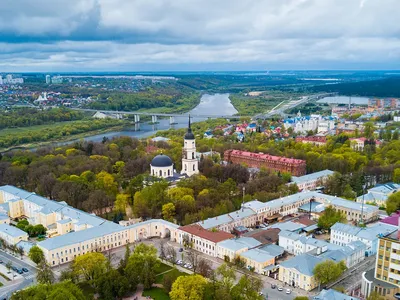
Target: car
(14, 268)
(273, 286)
(280, 288)
(288, 291)
(179, 262)
(180, 249)
(25, 270)
(1, 261)
(19, 271)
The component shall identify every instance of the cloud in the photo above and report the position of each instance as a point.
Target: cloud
(123, 34)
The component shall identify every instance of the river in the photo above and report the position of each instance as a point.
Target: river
(215, 104)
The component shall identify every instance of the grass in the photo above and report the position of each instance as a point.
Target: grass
(163, 268)
(5, 277)
(159, 278)
(156, 294)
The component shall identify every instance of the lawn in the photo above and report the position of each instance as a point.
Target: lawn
(159, 278)
(156, 294)
(162, 268)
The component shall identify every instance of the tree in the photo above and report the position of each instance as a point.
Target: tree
(112, 284)
(227, 276)
(375, 296)
(396, 175)
(204, 268)
(369, 129)
(141, 267)
(90, 265)
(188, 288)
(65, 290)
(168, 211)
(36, 254)
(170, 254)
(330, 217)
(348, 192)
(393, 203)
(248, 288)
(44, 274)
(193, 257)
(9, 266)
(328, 271)
(120, 203)
(301, 298)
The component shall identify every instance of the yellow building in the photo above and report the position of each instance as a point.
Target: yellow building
(298, 271)
(12, 235)
(385, 279)
(257, 259)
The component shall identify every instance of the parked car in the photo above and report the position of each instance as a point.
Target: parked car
(180, 249)
(14, 269)
(19, 271)
(25, 270)
(280, 288)
(1, 261)
(288, 291)
(273, 286)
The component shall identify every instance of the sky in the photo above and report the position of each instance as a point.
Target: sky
(198, 35)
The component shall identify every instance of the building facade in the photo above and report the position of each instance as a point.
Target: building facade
(190, 163)
(296, 167)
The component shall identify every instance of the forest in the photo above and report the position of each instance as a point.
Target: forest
(388, 87)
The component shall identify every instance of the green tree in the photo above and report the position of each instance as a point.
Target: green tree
(90, 266)
(248, 288)
(141, 267)
(227, 277)
(330, 217)
(328, 271)
(120, 203)
(301, 298)
(369, 129)
(393, 203)
(44, 273)
(65, 290)
(348, 192)
(396, 175)
(36, 254)
(188, 288)
(168, 211)
(112, 284)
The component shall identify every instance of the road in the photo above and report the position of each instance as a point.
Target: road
(28, 278)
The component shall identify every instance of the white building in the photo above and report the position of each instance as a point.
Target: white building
(234, 247)
(162, 166)
(311, 181)
(304, 124)
(344, 234)
(48, 79)
(379, 194)
(190, 164)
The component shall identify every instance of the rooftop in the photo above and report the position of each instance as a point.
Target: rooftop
(304, 263)
(367, 233)
(215, 221)
(240, 243)
(12, 230)
(255, 205)
(331, 294)
(199, 231)
(312, 176)
(264, 236)
(289, 226)
(257, 255)
(267, 157)
(273, 249)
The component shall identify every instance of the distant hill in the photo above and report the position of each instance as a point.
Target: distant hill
(388, 87)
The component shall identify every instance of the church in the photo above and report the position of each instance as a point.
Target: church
(162, 165)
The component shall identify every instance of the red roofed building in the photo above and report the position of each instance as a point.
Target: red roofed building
(201, 239)
(315, 140)
(296, 167)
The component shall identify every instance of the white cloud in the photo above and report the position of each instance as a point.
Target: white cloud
(114, 34)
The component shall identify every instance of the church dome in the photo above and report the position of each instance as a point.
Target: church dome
(161, 161)
(189, 135)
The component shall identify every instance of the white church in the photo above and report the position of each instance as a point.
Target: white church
(163, 166)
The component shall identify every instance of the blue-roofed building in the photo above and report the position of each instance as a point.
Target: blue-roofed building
(257, 259)
(298, 271)
(289, 226)
(12, 235)
(379, 194)
(311, 181)
(351, 254)
(4, 218)
(274, 250)
(332, 294)
(234, 247)
(343, 234)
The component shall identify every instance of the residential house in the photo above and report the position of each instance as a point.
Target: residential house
(12, 235)
(234, 247)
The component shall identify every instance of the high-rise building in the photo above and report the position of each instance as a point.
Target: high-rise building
(385, 278)
(190, 164)
(48, 79)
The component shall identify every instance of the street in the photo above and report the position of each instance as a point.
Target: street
(28, 278)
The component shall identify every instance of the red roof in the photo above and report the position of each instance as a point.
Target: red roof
(197, 230)
(267, 156)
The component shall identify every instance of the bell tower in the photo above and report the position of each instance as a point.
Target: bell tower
(190, 164)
